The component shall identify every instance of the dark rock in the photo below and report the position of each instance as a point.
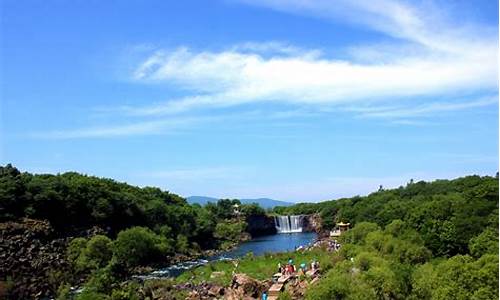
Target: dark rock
(260, 225)
(30, 253)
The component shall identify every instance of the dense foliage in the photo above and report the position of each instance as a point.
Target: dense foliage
(436, 240)
(446, 213)
(393, 263)
(72, 202)
(139, 226)
(427, 240)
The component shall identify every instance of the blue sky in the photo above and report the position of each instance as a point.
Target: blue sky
(294, 100)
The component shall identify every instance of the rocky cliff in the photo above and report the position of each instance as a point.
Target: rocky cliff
(260, 225)
(312, 223)
(30, 260)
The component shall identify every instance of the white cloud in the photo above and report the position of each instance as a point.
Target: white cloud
(423, 109)
(168, 125)
(431, 56)
(164, 126)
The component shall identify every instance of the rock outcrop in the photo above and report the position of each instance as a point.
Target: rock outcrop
(312, 223)
(30, 259)
(242, 287)
(260, 225)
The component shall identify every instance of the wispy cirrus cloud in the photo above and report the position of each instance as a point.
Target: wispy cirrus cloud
(415, 111)
(162, 126)
(232, 78)
(165, 125)
(430, 56)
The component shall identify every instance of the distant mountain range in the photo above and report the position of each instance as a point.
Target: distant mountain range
(263, 202)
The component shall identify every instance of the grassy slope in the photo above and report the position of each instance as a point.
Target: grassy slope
(258, 267)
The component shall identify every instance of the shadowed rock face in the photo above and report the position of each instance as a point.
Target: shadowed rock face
(260, 225)
(29, 254)
(311, 223)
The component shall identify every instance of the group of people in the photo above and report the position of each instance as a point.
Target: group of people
(287, 269)
(290, 269)
(333, 245)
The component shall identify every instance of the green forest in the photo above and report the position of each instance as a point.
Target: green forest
(73, 202)
(138, 226)
(425, 240)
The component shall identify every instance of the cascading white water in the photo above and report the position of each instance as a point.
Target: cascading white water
(288, 224)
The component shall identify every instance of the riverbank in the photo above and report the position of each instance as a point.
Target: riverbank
(258, 246)
(245, 277)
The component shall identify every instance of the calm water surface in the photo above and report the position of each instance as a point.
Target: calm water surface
(265, 244)
(272, 243)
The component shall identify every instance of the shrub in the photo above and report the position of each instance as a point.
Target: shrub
(359, 232)
(101, 281)
(486, 242)
(75, 249)
(63, 292)
(135, 246)
(98, 250)
(182, 244)
(230, 231)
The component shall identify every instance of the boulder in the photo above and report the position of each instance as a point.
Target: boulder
(31, 259)
(245, 287)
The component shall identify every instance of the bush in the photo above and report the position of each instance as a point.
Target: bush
(89, 255)
(359, 232)
(137, 245)
(230, 231)
(98, 250)
(486, 242)
(91, 295)
(182, 244)
(63, 292)
(126, 292)
(75, 249)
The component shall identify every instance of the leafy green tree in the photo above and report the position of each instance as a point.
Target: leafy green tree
(230, 231)
(75, 249)
(328, 215)
(486, 242)
(182, 244)
(135, 246)
(252, 209)
(99, 250)
(359, 232)
(12, 193)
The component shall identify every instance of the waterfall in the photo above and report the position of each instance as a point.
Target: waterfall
(288, 224)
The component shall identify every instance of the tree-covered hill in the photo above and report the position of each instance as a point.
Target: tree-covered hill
(446, 213)
(72, 202)
(426, 240)
(135, 227)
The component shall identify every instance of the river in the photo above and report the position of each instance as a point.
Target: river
(258, 246)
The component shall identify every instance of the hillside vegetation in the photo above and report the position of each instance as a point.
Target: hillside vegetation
(446, 214)
(427, 240)
(136, 226)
